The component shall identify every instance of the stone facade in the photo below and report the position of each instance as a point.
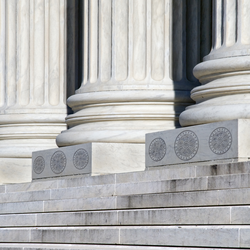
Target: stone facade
(126, 66)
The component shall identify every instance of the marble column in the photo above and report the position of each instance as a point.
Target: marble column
(32, 82)
(137, 58)
(224, 73)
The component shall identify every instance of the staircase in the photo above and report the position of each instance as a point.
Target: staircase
(185, 207)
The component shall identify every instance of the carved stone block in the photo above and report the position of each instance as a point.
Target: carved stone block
(228, 140)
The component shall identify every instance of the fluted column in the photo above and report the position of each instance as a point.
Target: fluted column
(32, 81)
(137, 69)
(225, 72)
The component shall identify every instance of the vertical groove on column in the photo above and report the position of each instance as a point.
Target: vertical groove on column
(47, 50)
(206, 28)
(229, 22)
(218, 24)
(193, 37)
(11, 52)
(54, 49)
(85, 41)
(168, 39)
(39, 51)
(105, 37)
(245, 21)
(158, 41)
(72, 45)
(121, 39)
(139, 39)
(62, 55)
(93, 42)
(23, 52)
(2, 51)
(177, 40)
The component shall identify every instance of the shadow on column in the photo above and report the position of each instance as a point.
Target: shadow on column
(191, 41)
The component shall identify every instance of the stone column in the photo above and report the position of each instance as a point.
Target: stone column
(32, 82)
(135, 76)
(224, 73)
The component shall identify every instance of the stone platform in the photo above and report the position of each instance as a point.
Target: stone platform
(179, 207)
(88, 158)
(219, 142)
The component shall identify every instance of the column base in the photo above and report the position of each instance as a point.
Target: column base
(88, 158)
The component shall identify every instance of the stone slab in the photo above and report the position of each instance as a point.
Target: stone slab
(89, 158)
(92, 235)
(210, 142)
(184, 199)
(180, 216)
(15, 170)
(200, 236)
(181, 236)
(18, 220)
(21, 246)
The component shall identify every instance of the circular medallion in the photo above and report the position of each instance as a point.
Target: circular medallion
(39, 165)
(186, 145)
(220, 140)
(58, 162)
(157, 149)
(81, 158)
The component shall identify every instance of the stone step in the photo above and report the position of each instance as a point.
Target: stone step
(107, 190)
(188, 236)
(157, 174)
(163, 200)
(31, 246)
(236, 215)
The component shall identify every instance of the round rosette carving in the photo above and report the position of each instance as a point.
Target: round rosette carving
(81, 159)
(39, 165)
(58, 162)
(157, 149)
(220, 141)
(186, 145)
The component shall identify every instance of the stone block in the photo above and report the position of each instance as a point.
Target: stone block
(89, 158)
(240, 215)
(94, 235)
(201, 236)
(82, 192)
(95, 218)
(17, 220)
(21, 246)
(183, 199)
(228, 140)
(175, 216)
(86, 180)
(178, 185)
(15, 170)
(173, 172)
(80, 204)
(31, 186)
(223, 169)
(21, 207)
(25, 196)
(14, 235)
(229, 181)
